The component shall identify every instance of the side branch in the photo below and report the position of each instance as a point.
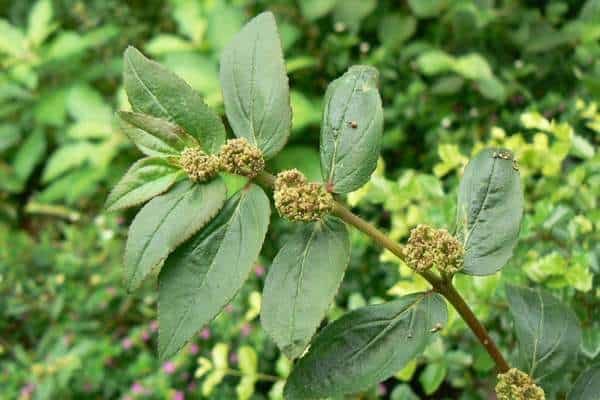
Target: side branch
(445, 288)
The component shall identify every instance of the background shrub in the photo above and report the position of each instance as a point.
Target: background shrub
(455, 76)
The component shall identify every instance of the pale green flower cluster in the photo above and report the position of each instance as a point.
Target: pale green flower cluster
(237, 156)
(299, 200)
(428, 247)
(199, 166)
(517, 385)
(241, 158)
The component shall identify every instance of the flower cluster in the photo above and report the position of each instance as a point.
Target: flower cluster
(237, 156)
(517, 385)
(199, 166)
(429, 247)
(241, 158)
(299, 200)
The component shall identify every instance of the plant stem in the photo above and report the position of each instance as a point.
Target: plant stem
(443, 287)
(258, 375)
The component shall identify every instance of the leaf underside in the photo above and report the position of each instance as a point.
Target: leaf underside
(145, 179)
(302, 282)
(548, 332)
(489, 211)
(255, 85)
(154, 136)
(587, 386)
(153, 89)
(366, 346)
(203, 275)
(352, 129)
(167, 221)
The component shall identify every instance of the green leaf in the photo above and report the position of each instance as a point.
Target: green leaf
(154, 90)
(492, 88)
(587, 386)
(154, 136)
(245, 389)
(30, 153)
(395, 28)
(10, 135)
(166, 222)
(167, 43)
(427, 8)
(40, 22)
(204, 274)
(302, 283)
(314, 9)
(68, 157)
(146, 179)
(489, 211)
(351, 130)
(473, 66)
(224, 21)
(403, 392)
(247, 360)
(220, 355)
(86, 103)
(89, 129)
(255, 85)
(366, 346)
(352, 12)
(548, 332)
(433, 376)
(435, 62)
(12, 40)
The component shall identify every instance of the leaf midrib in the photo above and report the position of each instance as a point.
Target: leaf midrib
(299, 283)
(483, 203)
(202, 281)
(392, 322)
(338, 128)
(151, 237)
(147, 89)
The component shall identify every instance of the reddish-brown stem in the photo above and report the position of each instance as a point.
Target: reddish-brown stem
(443, 287)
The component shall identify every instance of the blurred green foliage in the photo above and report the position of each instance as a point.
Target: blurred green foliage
(455, 76)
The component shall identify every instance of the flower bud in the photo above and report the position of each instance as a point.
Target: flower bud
(298, 200)
(517, 385)
(428, 247)
(199, 166)
(240, 157)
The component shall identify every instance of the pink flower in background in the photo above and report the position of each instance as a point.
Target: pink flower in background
(154, 325)
(381, 389)
(229, 308)
(137, 388)
(120, 220)
(27, 390)
(259, 270)
(246, 330)
(169, 367)
(194, 349)
(145, 336)
(179, 395)
(192, 386)
(111, 290)
(205, 334)
(127, 343)
(233, 358)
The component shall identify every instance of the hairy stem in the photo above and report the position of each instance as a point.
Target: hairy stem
(444, 287)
